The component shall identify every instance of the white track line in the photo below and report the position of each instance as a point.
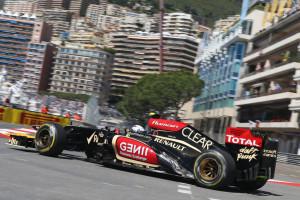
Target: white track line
(184, 189)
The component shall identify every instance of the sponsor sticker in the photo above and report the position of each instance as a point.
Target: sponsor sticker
(135, 150)
(168, 125)
(171, 144)
(197, 138)
(269, 153)
(247, 153)
(242, 137)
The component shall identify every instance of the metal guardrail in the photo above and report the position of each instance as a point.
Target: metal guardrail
(288, 158)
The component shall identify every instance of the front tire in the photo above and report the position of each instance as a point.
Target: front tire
(50, 139)
(214, 169)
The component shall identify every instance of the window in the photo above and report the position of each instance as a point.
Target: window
(239, 51)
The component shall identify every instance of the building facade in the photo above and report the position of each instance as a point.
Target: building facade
(179, 23)
(138, 54)
(223, 25)
(77, 6)
(37, 70)
(59, 20)
(16, 32)
(81, 71)
(269, 87)
(218, 64)
(22, 6)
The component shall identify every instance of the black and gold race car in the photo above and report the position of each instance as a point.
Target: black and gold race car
(247, 160)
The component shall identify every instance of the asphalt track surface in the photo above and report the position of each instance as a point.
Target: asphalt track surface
(26, 175)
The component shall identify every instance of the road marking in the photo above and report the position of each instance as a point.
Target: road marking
(292, 175)
(184, 186)
(184, 189)
(20, 159)
(139, 186)
(284, 182)
(212, 199)
(105, 183)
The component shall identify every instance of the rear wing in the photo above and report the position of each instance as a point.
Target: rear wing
(255, 153)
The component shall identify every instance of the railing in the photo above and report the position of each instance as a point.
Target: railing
(288, 158)
(268, 68)
(267, 93)
(271, 43)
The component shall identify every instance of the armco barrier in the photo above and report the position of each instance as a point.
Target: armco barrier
(19, 116)
(288, 158)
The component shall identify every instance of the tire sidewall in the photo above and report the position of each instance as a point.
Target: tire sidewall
(58, 139)
(226, 166)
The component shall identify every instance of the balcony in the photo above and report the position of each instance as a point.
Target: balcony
(267, 97)
(271, 115)
(272, 71)
(287, 125)
(294, 38)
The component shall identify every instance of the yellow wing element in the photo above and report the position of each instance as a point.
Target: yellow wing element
(21, 132)
(289, 3)
(22, 135)
(265, 18)
(281, 7)
(273, 10)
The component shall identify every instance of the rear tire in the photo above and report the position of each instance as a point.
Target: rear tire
(250, 186)
(50, 139)
(214, 169)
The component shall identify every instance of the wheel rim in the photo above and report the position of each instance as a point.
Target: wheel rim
(209, 169)
(44, 139)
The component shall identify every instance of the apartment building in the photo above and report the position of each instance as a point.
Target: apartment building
(59, 20)
(51, 4)
(81, 31)
(269, 87)
(93, 11)
(116, 10)
(76, 6)
(16, 32)
(32, 6)
(179, 23)
(81, 71)
(218, 63)
(37, 70)
(223, 25)
(138, 54)
(22, 6)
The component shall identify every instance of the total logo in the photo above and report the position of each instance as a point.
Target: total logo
(243, 141)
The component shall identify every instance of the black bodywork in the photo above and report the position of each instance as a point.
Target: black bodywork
(176, 151)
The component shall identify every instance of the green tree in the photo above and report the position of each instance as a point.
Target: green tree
(165, 93)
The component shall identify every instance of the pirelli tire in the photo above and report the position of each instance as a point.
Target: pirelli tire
(50, 139)
(250, 186)
(214, 169)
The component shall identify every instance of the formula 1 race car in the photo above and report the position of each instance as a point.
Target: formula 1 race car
(247, 160)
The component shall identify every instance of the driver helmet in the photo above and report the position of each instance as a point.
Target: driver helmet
(137, 129)
(155, 115)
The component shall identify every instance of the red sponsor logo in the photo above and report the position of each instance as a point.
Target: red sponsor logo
(34, 119)
(242, 137)
(167, 125)
(135, 150)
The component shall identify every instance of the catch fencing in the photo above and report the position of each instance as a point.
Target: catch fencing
(288, 158)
